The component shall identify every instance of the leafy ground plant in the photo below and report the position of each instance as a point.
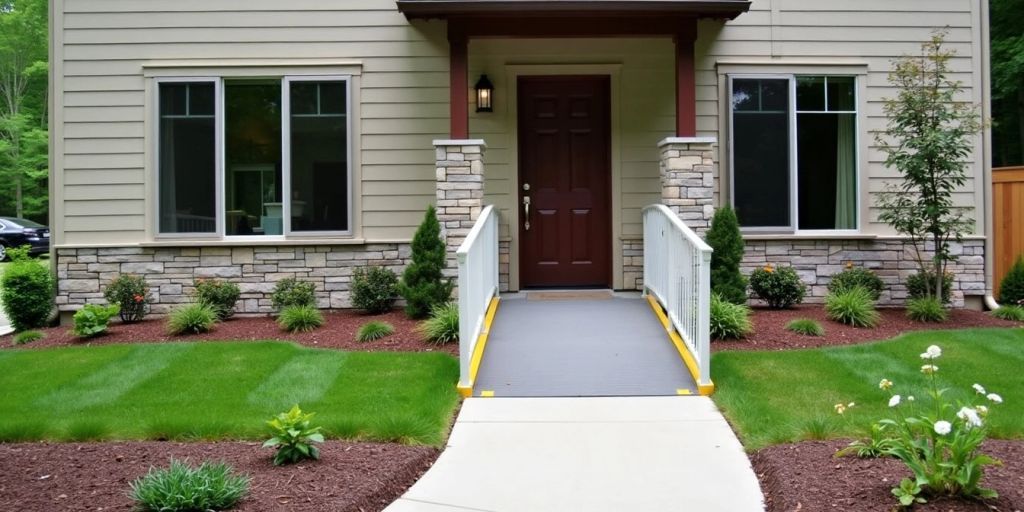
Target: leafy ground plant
(221, 295)
(926, 309)
(292, 292)
(294, 436)
(132, 294)
(371, 331)
(443, 325)
(300, 318)
(25, 337)
(92, 319)
(780, 287)
(856, 276)
(192, 319)
(374, 289)
(938, 439)
(806, 326)
(1012, 312)
(852, 307)
(183, 488)
(729, 320)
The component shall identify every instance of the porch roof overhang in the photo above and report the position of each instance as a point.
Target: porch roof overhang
(444, 9)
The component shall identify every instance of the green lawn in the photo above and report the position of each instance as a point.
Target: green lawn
(222, 390)
(777, 397)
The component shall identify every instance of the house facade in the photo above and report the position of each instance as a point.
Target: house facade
(260, 140)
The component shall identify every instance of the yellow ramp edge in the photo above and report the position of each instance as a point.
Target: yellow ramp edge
(684, 353)
(478, 351)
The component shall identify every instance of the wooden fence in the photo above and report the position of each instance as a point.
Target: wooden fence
(1008, 213)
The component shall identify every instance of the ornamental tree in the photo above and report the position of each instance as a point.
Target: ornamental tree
(928, 140)
(423, 284)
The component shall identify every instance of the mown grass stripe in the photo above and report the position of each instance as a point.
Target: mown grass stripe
(302, 380)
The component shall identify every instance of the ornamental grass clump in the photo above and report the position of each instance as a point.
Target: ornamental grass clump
(779, 287)
(806, 327)
(926, 309)
(300, 319)
(1012, 313)
(857, 276)
(442, 327)
(852, 307)
(939, 439)
(371, 331)
(728, 321)
(194, 318)
(293, 436)
(132, 294)
(183, 488)
(25, 337)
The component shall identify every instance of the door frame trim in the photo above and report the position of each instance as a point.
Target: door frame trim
(613, 71)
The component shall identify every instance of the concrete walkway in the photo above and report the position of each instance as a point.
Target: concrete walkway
(588, 454)
(5, 324)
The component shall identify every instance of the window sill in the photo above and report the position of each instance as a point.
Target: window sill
(808, 236)
(221, 242)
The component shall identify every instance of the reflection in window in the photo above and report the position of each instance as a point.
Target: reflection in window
(252, 134)
(319, 156)
(760, 141)
(187, 162)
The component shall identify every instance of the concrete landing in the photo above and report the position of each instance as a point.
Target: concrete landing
(610, 347)
(588, 454)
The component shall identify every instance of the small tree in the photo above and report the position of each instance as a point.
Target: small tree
(928, 140)
(1011, 288)
(423, 285)
(725, 238)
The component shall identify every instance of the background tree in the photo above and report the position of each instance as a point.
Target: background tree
(1007, 82)
(928, 140)
(23, 108)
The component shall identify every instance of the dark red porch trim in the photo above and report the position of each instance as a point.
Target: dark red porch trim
(458, 55)
(686, 89)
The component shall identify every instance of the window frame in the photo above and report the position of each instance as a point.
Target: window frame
(793, 227)
(221, 158)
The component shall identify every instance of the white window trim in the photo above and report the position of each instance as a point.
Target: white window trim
(793, 227)
(221, 164)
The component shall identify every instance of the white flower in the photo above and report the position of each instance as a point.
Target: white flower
(943, 427)
(933, 352)
(970, 416)
(840, 408)
(995, 398)
(982, 410)
(894, 401)
(851, 404)
(979, 389)
(929, 369)
(910, 398)
(885, 384)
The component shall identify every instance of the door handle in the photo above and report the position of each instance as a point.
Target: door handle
(526, 209)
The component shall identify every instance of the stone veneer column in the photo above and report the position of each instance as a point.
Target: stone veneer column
(687, 179)
(460, 191)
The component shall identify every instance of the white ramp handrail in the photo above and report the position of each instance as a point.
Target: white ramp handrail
(677, 272)
(478, 284)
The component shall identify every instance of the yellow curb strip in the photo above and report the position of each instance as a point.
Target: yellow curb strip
(684, 352)
(487, 394)
(478, 351)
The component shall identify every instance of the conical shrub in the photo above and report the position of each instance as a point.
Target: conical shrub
(724, 237)
(1011, 288)
(423, 284)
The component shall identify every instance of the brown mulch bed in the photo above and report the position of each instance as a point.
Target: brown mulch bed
(338, 332)
(770, 328)
(357, 477)
(806, 477)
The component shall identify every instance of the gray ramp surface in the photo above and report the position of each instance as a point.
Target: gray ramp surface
(611, 347)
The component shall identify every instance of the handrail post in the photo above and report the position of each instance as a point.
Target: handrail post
(704, 320)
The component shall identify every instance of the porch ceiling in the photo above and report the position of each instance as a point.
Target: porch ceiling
(461, 8)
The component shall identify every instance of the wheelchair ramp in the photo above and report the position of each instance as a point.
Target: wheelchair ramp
(580, 347)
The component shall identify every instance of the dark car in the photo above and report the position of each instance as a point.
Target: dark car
(15, 232)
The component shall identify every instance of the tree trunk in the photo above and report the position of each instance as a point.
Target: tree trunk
(937, 264)
(17, 196)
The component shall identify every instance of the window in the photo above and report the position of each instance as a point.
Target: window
(794, 156)
(285, 155)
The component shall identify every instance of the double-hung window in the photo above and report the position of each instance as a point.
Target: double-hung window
(794, 152)
(254, 157)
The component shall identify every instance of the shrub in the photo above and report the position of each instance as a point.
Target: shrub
(779, 287)
(220, 295)
(374, 289)
(926, 309)
(291, 292)
(806, 326)
(27, 291)
(300, 318)
(1009, 312)
(294, 435)
(423, 285)
(371, 331)
(92, 319)
(724, 237)
(27, 337)
(856, 276)
(939, 442)
(132, 294)
(182, 488)
(1011, 288)
(728, 320)
(917, 287)
(443, 325)
(852, 307)
(193, 318)
(876, 444)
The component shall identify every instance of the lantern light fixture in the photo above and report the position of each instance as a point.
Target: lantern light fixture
(484, 95)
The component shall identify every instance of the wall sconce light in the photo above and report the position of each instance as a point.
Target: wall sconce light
(484, 94)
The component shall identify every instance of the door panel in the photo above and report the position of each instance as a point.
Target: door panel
(565, 157)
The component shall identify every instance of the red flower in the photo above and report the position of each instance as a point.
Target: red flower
(138, 298)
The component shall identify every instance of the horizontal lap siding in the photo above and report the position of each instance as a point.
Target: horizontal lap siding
(103, 181)
(873, 32)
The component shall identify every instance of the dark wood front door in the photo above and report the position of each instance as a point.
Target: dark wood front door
(565, 176)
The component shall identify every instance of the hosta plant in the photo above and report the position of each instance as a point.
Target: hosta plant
(294, 435)
(938, 439)
(92, 319)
